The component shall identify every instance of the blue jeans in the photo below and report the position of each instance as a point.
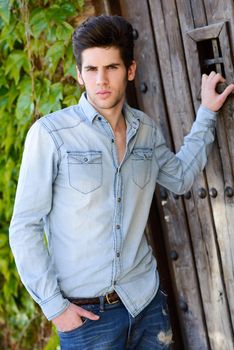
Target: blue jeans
(118, 330)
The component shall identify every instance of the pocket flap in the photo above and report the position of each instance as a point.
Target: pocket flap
(142, 153)
(90, 157)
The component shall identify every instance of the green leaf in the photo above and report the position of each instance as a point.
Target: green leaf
(69, 64)
(64, 31)
(25, 85)
(38, 48)
(19, 33)
(3, 81)
(3, 103)
(9, 139)
(53, 56)
(17, 60)
(8, 37)
(24, 107)
(42, 88)
(60, 13)
(12, 95)
(5, 10)
(51, 34)
(70, 69)
(56, 94)
(70, 100)
(3, 240)
(38, 21)
(51, 102)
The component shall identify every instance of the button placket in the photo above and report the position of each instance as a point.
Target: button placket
(117, 224)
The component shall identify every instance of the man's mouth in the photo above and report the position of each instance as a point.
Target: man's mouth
(103, 93)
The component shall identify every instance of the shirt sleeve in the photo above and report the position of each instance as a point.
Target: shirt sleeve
(178, 171)
(33, 202)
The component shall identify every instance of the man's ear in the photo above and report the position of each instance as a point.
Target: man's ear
(79, 77)
(132, 71)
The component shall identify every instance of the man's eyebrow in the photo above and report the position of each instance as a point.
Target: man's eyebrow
(112, 64)
(89, 66)
(108, 65)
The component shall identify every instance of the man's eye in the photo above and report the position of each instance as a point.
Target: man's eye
(91, 69)
(112, 67)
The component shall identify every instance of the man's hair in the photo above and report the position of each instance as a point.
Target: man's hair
(104, 31)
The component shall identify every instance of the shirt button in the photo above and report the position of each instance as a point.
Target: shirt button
(112, 140)
(85, 160)
(118, 227)
(118, 255)
(119, 199)
(99, 118)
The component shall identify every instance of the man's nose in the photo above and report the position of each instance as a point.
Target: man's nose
(101, 77)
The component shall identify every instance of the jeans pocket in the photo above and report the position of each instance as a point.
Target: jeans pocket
(74, 330)
(141, 166)
(85, 170)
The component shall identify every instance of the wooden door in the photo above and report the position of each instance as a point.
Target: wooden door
(176, 41)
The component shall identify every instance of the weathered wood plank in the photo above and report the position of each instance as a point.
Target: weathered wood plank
(225, 10)
(173, 69)
(206, 32)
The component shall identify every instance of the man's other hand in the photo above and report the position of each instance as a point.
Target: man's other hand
(71, 318)
(210, 98)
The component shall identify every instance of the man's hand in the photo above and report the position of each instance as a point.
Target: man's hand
(210, 98)
(71, 318)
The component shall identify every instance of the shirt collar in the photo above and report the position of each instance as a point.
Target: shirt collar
(131, 118)
(90, 112)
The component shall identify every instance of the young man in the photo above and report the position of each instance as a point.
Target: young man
(87, 178)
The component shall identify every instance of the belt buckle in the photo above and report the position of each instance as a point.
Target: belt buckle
(108, 300)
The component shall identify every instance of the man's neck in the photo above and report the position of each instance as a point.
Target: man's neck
(115, 119)
(113, 115)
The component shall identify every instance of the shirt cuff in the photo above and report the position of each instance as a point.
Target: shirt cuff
(54, 306)
(206, 116)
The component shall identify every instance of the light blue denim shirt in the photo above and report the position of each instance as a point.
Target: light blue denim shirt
(94, 210)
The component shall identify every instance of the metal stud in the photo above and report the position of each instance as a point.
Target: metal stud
(213, 192)
(143, 87)
(228, 192)
(202, 192)
(188, 195)
(176, 196)
(135, 34)
(183, 305)
(174, 255)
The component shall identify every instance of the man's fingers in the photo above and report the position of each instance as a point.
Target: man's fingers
(204, 78)
(213, 78)
(217, 78)
(211, 75)
(229, 89)
(87, 314)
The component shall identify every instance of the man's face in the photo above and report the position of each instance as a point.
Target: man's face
(105, 77)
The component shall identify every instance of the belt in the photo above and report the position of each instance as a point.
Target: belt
(109, 298)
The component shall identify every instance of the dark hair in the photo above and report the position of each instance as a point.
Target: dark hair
(104, 31)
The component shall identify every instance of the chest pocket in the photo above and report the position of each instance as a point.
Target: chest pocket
(85, 170)
(141, 166)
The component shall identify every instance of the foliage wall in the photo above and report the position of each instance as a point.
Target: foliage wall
(37, 76)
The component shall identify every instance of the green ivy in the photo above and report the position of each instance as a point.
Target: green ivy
(37, 76)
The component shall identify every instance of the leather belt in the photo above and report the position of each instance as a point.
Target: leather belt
(109, 298)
